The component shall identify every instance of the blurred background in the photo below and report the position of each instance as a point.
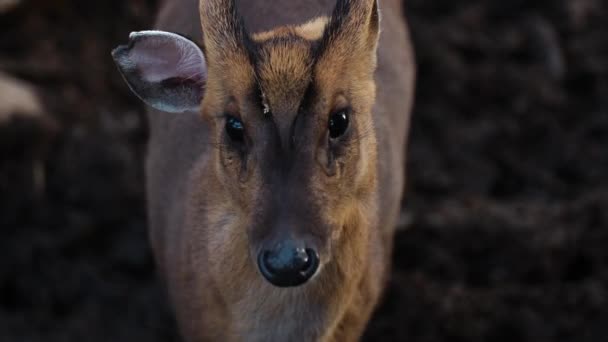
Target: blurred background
(507, 202)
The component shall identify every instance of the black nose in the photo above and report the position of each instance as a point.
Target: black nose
(288, 265)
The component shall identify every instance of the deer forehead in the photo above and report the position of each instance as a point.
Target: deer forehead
(284, 72)
(311, 30)
(285, 62)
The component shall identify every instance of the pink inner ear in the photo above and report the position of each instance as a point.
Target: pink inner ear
(161, 55)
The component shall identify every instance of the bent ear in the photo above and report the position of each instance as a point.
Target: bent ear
(165, 70)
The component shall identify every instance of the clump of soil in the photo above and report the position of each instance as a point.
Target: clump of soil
(507, 194)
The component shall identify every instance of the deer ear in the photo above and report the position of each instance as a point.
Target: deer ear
(165, 70)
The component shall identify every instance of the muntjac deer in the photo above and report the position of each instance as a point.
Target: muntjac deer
(275, 167)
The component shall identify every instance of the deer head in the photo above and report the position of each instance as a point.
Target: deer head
(289, 192)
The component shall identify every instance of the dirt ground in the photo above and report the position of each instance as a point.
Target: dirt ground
(507, 202)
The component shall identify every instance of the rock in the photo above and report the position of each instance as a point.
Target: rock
(8, 5)
(17, 99)
(25, 128)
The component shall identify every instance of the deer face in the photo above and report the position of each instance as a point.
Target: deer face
(290, 185)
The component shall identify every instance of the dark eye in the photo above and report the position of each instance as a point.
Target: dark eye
(235, 129)
(338, 123)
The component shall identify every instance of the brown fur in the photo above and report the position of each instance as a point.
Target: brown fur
(211, 206)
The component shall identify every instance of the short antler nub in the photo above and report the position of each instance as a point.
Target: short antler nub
(223, 28)
(353, 25)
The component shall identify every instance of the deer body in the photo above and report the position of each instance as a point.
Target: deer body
(223, 218)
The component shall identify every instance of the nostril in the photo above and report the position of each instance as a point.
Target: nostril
(287, 266)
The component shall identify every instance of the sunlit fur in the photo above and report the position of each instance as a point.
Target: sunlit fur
(288, 181)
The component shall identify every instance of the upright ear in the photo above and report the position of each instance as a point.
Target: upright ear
(165, 70)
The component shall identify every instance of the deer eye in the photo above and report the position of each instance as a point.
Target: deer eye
(338, 123)
(235, 129)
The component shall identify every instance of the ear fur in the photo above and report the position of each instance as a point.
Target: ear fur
(165, 70)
